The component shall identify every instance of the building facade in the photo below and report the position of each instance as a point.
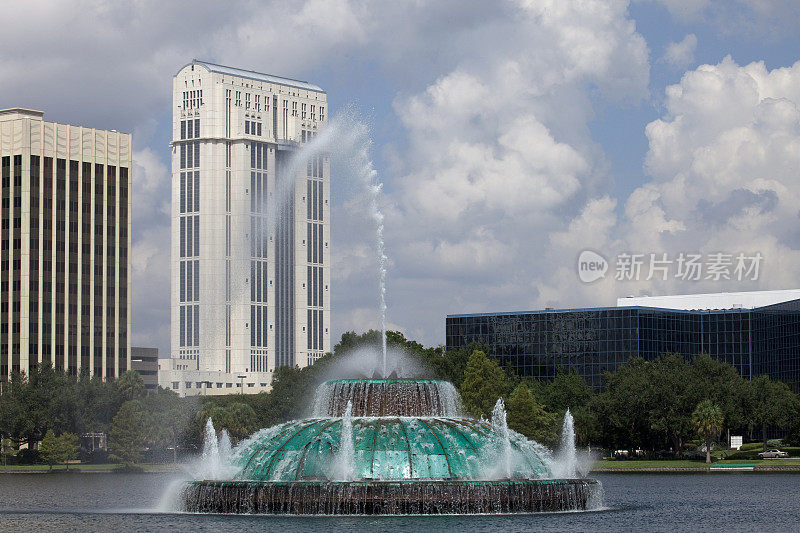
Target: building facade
(756, 339)
(145, 362)
(66, 236)
(250, 230)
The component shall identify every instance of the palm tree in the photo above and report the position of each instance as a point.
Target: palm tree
(707, 420)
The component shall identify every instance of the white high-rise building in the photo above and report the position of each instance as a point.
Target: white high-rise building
(250, 230)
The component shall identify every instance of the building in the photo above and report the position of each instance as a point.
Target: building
(756, 332)
(250, 230)
(65, 234)
(145, 362)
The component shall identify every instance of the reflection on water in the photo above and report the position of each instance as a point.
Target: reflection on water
(128, 502)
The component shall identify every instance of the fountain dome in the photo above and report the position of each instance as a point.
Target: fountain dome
(407, 449)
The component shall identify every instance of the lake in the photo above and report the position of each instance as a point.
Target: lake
(670, 502)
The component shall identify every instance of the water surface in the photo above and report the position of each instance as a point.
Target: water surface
(639, 502)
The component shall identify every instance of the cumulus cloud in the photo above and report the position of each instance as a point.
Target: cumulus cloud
(681, 54)
(723, 161)
(500, 157)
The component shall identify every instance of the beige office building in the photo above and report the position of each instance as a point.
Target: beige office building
(250, 230)
(66, 236)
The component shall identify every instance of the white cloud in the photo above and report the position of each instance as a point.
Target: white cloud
(724, 162)
(681, 54)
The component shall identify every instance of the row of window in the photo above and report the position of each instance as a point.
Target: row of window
(189, 331)
(190, 154)
(258, 156)
(190, 236)
(258, 192)
(190, 129)
(258, 325)
(252, 127)
(192, 99)
(258, 362)
(190, 281)
(314, 282)
(258, 281)
(314, 328)
(314, 200)
(190, 192)
(314, 239)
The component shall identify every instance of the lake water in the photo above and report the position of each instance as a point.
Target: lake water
(676, 502)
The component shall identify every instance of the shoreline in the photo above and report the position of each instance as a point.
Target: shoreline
(604, 469)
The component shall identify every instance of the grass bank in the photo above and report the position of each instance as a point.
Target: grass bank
(682, 465)
(85, 468)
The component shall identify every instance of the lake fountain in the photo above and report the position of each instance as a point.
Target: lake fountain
(389, 446)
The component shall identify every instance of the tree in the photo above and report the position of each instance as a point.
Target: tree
(484, 382)
(568, 390)
(774, 405)
(9, 449)
(624, 406)
(131, 385)
(237, 418)
(672, 405)
(58, 450)
(527, 416)
(720, 382)
(707, 419)
(127, 437)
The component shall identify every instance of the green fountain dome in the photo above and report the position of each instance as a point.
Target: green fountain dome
(386, 448)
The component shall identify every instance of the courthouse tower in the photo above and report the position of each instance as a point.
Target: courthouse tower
(250, 230)
(65, 239)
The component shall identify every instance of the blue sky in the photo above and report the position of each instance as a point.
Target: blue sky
(510, 136)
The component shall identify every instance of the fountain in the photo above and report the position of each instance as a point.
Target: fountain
(389, 446)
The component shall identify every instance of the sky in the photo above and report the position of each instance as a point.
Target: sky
(510, 137)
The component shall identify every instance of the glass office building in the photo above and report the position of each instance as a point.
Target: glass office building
(761, 340)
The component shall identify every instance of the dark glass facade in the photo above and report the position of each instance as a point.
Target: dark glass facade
(763, 340)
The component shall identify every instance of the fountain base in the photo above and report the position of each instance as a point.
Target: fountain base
(411, 497)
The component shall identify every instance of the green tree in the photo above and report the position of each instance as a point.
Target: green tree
(484, 382)
(774, 405)
(568, 390)
(720, 382)
(237, 418)
(707, 419)
(9, 449)
(527, 416)
(127, 435)
(624, 406)
(672, 406)
(131, 386)
(49, 449)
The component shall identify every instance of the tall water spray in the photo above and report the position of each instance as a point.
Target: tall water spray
(567, 456)
(347, 138)
(500, 425)
(343, 467)
(215, 460)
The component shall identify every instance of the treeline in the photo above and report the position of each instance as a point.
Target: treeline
(649, 405)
